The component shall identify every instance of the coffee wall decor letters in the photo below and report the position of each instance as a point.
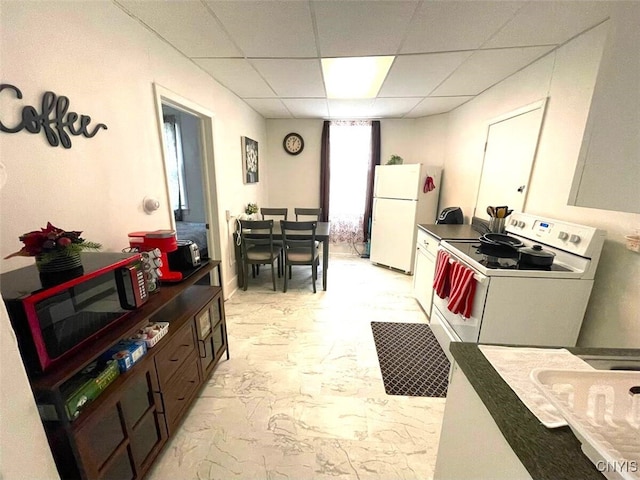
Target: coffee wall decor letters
(52, 126)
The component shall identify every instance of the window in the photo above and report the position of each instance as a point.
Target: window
(175, 165)
(350, 156)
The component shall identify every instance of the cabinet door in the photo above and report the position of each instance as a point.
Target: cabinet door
(423, 279)
(211, 334)
(121, 437)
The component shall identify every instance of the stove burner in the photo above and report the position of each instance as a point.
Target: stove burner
(501, 257)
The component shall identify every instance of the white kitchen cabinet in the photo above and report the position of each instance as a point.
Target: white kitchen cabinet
(608, 172)
(471, 444)
(424, 271)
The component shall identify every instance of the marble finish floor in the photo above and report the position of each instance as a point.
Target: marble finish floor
(302, 396)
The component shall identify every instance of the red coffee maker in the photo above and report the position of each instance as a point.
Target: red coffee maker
(163, 240)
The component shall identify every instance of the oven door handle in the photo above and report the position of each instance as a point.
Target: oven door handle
(477, 277)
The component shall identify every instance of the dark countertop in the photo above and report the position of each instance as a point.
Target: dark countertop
(444, 231)
(552, 454)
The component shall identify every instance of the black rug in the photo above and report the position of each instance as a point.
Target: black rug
(411, 359)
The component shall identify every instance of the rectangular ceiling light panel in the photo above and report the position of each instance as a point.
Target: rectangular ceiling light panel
(355, 77)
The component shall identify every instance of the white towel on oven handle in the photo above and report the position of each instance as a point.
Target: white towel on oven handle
(463, 288)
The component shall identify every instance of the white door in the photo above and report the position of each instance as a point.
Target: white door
(511, 146)
(397, 181)
(393, 229)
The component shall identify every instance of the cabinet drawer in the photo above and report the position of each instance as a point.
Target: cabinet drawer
(428, 242)
(173, 355)
(178, 394)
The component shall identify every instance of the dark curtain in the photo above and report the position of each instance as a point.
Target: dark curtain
(375, 160)
(324, 172)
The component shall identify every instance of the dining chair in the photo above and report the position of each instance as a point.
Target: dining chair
(279, 214)
(300, 248)
(308, 212)
(274, 212)
(258, 247)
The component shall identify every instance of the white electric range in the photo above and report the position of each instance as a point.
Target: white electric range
(520, 304)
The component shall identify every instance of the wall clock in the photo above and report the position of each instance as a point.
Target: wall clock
(293, 143)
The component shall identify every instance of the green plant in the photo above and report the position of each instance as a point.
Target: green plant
(251, 208)
(395, 160)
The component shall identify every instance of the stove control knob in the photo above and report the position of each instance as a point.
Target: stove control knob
(563, 235)
(514, 222)
(574, 239)
(520, 223)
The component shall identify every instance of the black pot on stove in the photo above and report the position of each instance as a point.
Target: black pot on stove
(536, 255)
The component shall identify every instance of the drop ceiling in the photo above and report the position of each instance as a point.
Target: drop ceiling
(268, 52)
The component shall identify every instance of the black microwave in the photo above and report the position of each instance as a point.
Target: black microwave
(53, 322)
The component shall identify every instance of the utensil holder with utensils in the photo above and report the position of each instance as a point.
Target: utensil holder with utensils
(496, 225)
(497, 217)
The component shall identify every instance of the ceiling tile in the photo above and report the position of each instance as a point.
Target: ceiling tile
(347, 109)
(286, 24)
(418, 75)
(486, 68)
(307, 108)
(269, 107)
(456, 25)
(292, 78)
(436, 105)
(188, 25)
(392, 107)
(361, 28)
(237, 75)
(543, 23)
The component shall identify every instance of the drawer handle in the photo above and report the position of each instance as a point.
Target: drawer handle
(174, 359)
(182, 398)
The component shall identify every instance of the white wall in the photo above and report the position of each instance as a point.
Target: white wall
(106, 64)
(24, 451)
(107, 69)
(567, 77)
(294, 180)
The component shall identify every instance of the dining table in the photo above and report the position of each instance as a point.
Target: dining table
(322, 235)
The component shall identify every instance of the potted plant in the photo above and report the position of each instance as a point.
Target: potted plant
(55, 249)
(251, 209)
(395, 160)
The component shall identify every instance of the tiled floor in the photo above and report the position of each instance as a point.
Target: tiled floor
(302, 396)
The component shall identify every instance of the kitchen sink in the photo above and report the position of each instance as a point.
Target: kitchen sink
(621, 362)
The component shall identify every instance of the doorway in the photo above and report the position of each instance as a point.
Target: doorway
(187, 143)
(510, 149)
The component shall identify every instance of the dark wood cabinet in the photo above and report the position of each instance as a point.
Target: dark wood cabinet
(211, 334)
(120, 439)
(119, 434)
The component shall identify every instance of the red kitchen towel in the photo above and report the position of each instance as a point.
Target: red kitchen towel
(441, 282)
(463, 289)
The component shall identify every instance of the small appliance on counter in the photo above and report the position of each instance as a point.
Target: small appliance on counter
(52, 323)
(186, 257)
(166, 242)
(451, 215)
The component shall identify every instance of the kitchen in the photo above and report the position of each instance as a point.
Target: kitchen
(128, 59)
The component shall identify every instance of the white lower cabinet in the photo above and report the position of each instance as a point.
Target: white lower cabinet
(471, 444)
(425, 268)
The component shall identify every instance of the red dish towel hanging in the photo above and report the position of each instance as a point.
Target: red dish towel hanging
(441, 283)
(463, 289)
(429, 184)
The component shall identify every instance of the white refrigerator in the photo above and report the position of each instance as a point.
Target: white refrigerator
(401, 201)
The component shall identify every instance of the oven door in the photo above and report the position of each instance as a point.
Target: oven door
(464, 329)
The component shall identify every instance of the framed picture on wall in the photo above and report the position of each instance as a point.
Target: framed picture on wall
(249, 160)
